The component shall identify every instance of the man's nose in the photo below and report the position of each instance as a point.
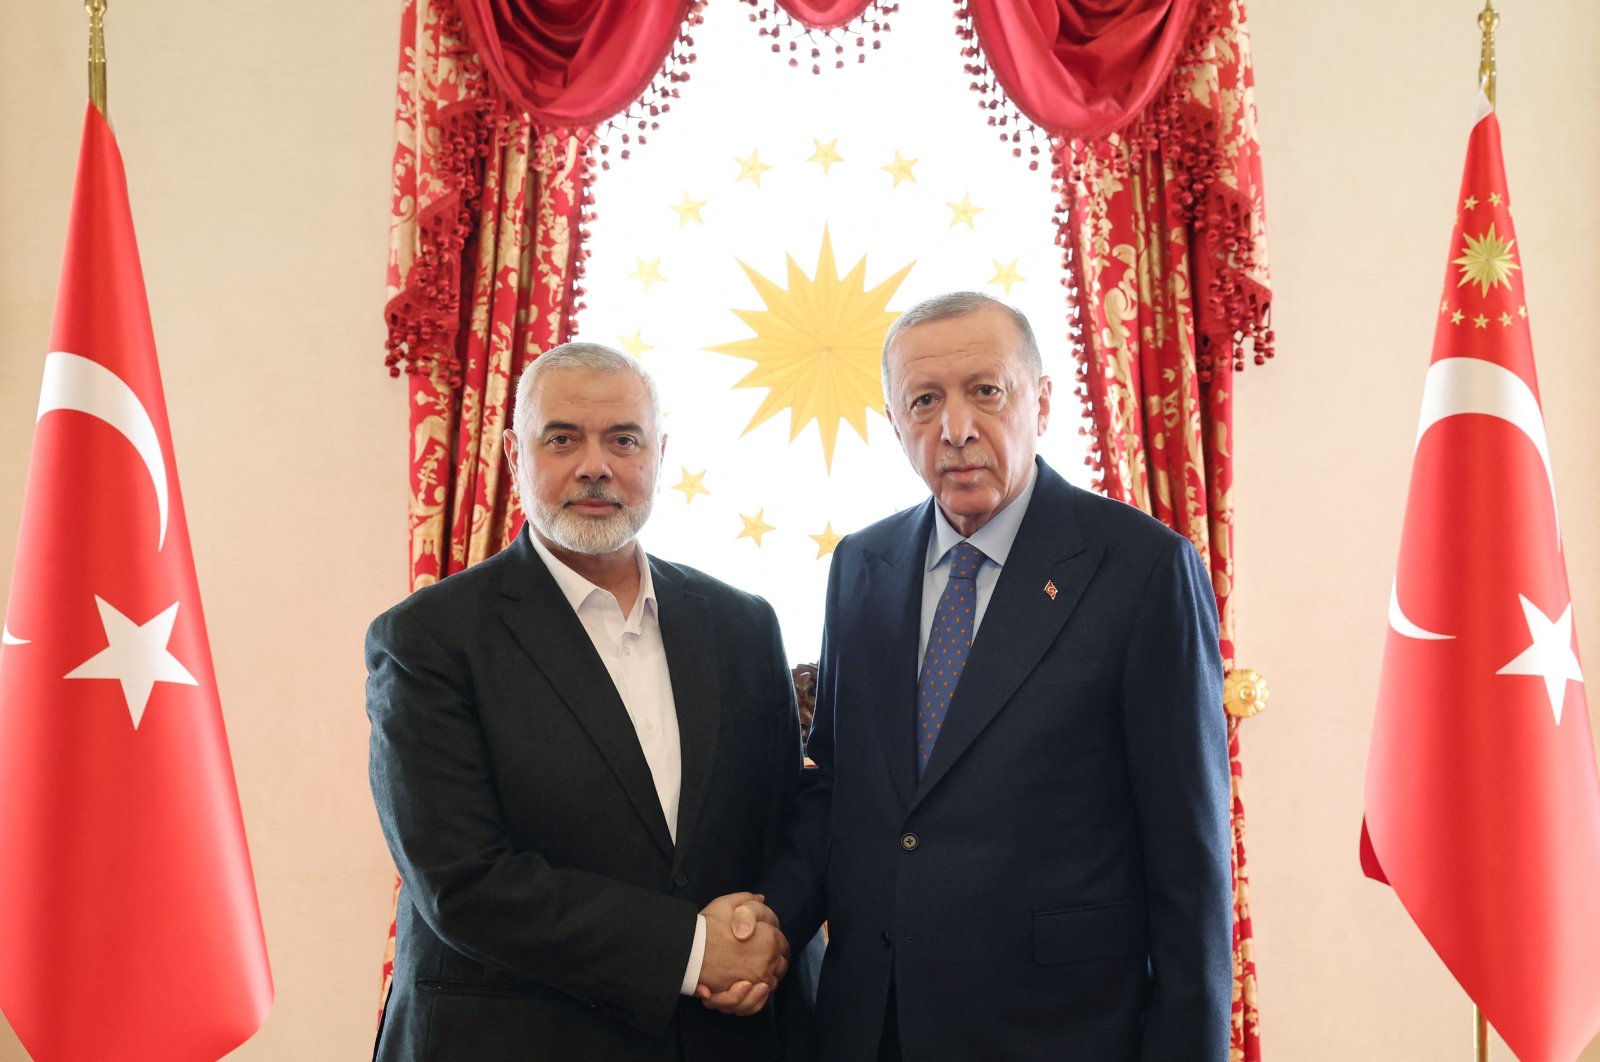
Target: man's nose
(957, 425)
(594, 463)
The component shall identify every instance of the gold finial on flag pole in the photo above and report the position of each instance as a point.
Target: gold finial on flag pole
(97, 52)
(1488, 21)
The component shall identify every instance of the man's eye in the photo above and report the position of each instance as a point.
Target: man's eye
(558, 440)
(988, 390)
(627, 441)
(922, 402)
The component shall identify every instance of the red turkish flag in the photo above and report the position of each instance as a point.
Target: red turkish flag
(129, 927)
(1482, 800)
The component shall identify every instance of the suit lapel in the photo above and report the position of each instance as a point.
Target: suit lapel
(889, 644)
(1021, 621)
(550, 633)
(693, 662)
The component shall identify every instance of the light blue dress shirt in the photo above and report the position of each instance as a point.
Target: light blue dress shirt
(994, 539)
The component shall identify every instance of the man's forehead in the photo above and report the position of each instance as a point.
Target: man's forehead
(963, 359)
(565, 394)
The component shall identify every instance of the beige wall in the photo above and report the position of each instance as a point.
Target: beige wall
(258, 144)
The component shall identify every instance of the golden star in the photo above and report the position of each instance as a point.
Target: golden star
(963, 211)
(751, 168)
(818, 345)
(1481, 321)
(1522, 312)
(1006, 275)
(1486, 261)
(755, 526)
(1505, 319)
(688, 210)
(691, 484)
(1457, 317)
(826, 154)
(1494, 198)
(826, 541)
(1444, 307)
(648, 272)
(900, 169)
(1470, 202)
(634, 346)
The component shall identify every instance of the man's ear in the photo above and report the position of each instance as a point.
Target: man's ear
(893, 425)
(509, 443)
(1044, 403)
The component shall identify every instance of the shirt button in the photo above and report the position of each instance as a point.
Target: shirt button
(649, 726)
(909, 842)
(681, 881)
(627, 651)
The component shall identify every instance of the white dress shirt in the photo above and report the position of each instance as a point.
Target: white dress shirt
(635, 658)
(994, 539)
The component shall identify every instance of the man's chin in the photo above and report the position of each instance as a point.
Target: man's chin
(963, 505)
(592, 535)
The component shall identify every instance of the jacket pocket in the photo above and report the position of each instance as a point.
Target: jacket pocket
(443, 986)
(1084, 934)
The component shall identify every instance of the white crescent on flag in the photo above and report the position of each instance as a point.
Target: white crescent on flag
(1456, 386)
(73, 382)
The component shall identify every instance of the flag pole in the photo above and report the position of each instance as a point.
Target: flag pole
(97, 52)
(1488, 22)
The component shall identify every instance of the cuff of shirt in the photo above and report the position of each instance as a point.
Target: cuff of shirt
(697, 958)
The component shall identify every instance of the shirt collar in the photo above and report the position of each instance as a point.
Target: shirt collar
(994, 538)
(580, 591)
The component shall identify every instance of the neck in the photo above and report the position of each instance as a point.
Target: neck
(616, 572)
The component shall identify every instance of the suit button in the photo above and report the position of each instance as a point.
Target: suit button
(888, 940)
(909, 842)
(681, 880)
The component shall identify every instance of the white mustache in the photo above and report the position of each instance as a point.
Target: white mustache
(961, 459)
(596, 492)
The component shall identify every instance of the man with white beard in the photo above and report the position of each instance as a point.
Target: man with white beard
(580, 755)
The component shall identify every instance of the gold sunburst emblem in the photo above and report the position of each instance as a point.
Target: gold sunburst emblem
(1486, 261)
(817, 346)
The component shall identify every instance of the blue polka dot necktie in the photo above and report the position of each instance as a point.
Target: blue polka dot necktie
(949, 641)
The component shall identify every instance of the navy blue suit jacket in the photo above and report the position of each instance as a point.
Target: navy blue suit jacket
(1057, 884)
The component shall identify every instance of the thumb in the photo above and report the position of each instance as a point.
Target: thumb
(744, 922)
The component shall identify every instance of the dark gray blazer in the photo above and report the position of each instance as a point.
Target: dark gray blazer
(545, 911)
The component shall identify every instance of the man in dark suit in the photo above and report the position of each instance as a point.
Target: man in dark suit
(579, 755)
(1019, 827)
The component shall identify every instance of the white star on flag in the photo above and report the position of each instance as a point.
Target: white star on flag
(135, 655)
(1550, 657)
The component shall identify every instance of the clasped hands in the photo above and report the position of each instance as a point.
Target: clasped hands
(746, 954)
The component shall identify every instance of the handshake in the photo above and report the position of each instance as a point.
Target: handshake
(746, 954)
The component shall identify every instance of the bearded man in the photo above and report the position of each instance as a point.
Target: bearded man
(579, 755)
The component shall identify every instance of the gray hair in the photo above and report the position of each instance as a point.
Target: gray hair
(594, 356)
(959, 304)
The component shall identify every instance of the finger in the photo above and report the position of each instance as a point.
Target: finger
(730, 1000)
(754, 1001)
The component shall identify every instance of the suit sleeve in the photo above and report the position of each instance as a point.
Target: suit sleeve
(616, 947)
(793, 878)
(788, 760)
(1178, 758)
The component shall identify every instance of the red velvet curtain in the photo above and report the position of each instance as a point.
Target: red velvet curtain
(1148, 106)
(1150, 110)
(488, 222)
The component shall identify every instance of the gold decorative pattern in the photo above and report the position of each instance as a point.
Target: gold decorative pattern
(1244, 693)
